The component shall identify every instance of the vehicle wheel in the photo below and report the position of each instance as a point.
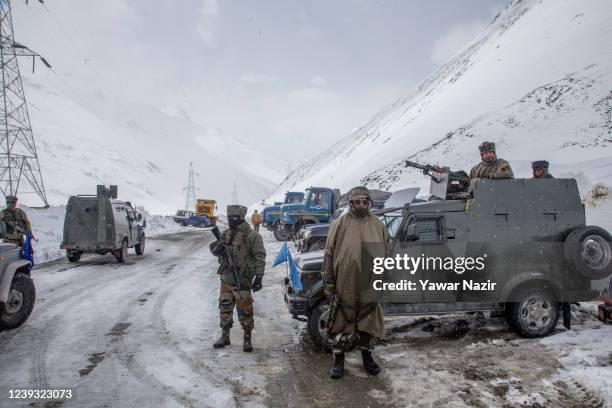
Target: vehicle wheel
(536, 315)
(73, 256)
(121, 253)
(279, 233)
(140, 246)
(588, 250)
(316, 326)
(20, 303)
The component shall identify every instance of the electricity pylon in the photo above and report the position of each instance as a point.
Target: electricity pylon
(18, 156)
(235, 195)
(190, 201)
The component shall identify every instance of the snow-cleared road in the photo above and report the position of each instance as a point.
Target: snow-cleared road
(140, 335)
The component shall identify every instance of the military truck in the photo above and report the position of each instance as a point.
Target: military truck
(102, 224)
(271, 215)
(318, 206)
(17, 291)
(545, 255)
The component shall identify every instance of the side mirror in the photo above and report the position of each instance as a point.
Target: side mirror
(144, 223)
(2, 229)
(412, 232)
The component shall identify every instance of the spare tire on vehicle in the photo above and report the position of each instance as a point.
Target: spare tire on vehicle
(588, 250)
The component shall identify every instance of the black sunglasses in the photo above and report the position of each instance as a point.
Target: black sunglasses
(362, 202)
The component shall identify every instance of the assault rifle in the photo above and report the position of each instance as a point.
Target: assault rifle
(460, 176)
(331, 318)
(228, 256)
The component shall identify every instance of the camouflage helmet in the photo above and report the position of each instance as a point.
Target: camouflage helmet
(11, 199)
(539, 164)
(236, 210)
(486, 147)
(359, 192)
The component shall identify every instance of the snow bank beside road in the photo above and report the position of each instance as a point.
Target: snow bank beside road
(48, 226)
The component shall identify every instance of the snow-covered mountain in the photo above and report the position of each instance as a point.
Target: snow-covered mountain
(537, 81)
(86, 137)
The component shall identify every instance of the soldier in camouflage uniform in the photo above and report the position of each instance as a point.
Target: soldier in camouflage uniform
(490, 166)
(249, 256)
(540, 169)
(16, 221)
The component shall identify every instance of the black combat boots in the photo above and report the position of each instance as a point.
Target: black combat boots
(247, 347)
(337, 370)
(224, 340)
(368, 362)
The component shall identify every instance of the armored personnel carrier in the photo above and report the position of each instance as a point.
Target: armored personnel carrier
(540, 252)
(102, 224)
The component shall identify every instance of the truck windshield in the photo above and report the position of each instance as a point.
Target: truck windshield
(293, 199)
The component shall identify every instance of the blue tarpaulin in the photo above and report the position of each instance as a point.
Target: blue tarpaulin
(27, 252)
(284, 255)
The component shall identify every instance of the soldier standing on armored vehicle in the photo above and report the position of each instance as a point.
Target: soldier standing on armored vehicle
(355, 321)
(540, 169)
(16, 221)
(249, 258)
(491, 167)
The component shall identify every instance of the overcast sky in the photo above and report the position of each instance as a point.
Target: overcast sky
(287, 76)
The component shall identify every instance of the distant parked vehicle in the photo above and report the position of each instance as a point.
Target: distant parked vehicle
(318, 206)
(203, 216)
(102, 224)
(271, 214)
(206, 207)
(185, 218)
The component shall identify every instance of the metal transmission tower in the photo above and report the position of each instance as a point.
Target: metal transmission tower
(18, 156)
(235, 195)
(190, 201)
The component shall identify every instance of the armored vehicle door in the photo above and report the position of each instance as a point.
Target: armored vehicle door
(133, 226)
(122, 227)
(423, 237)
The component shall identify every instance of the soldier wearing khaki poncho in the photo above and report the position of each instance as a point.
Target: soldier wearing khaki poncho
(356, 321)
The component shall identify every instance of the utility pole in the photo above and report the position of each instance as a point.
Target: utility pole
(190, 201)
(18, 155)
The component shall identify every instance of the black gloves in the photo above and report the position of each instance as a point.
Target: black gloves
(257, 283)
(216, 248)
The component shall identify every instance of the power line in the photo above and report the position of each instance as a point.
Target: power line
(85, 58)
